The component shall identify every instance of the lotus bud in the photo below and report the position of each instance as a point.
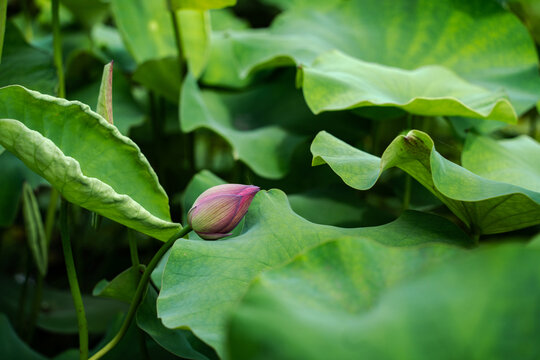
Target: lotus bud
(218, 210)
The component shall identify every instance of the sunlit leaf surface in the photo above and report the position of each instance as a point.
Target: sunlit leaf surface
(204, 280)
(351, 299)
(336, 81)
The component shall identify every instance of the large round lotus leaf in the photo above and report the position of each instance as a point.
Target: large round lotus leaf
(478, 40)
(354, 299)
(336, 81)
(11, 346)
(203, 281)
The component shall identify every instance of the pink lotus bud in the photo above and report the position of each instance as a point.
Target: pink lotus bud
(218, 210)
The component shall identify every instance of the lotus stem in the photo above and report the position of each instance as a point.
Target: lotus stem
(141, 289)
(57, 46)
(178, 39)
(407, 193)
(73, 282)
(51, 215)
(133, 249)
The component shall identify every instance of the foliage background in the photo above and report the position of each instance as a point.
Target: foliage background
(417, 233)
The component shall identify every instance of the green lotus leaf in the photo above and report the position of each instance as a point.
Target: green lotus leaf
(535, 241)
(326, 210)
(478, 40)
(108, 45)
(195, 32)
(221, 67)
(122, 287)
(487, 206)
(148, 32)
(88, 12)
(85, 158)
(11, 346)
(515, 161)
(356, 299)
(161, 76)
(146, 28)
(180, 342)
(225, 19)
(336, 81)
(26, 65)
(266, 150)
(58, 314)
(203, 281)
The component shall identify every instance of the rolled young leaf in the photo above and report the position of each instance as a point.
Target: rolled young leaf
(105, 103)
(35, 232)
(85, 158)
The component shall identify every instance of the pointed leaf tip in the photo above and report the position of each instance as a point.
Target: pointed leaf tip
(104, 103)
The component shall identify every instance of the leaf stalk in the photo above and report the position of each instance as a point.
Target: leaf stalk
(73, 282)
(57, 48)
(141, 289)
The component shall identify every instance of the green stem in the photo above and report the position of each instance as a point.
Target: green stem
(187, 140)
(409, 122)
(133, 249)
(57, 46)
(73, 282)
(407, 193)
(141, 288)
(177, 39)
(51, 215)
